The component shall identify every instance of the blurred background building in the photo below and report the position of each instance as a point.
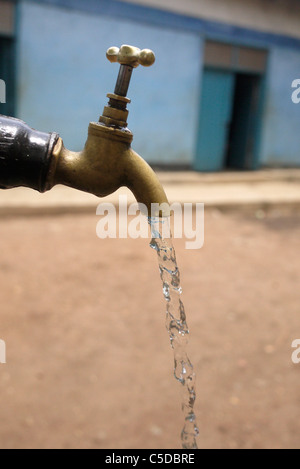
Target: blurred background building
(218, 97)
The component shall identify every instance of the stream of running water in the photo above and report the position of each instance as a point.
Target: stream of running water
(176, 324)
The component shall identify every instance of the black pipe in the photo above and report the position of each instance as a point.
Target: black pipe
(25, 155)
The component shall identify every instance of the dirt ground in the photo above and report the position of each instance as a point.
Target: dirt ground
(89, 363)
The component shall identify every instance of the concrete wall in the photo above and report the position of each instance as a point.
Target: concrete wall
(277, 16)
(64, 77)
(281, 130)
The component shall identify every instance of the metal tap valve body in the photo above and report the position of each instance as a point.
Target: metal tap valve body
(129, 57)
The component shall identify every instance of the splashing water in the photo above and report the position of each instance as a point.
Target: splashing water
(176, 325)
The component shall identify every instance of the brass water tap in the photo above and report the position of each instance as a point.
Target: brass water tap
(107, 161)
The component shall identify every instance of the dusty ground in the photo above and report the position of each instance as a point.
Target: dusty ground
(89, 361)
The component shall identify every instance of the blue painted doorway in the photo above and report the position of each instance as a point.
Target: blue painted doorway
(218, 88)
(231, 107)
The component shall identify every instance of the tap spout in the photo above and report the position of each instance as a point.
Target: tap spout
(107, 163)
(146, 187)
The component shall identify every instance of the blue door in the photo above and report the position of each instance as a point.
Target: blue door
(215, 118)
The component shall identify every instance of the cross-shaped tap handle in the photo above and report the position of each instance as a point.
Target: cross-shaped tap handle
(129, 57)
